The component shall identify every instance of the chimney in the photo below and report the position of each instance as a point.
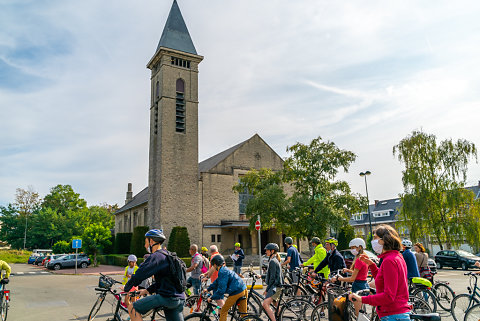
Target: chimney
(376, 202)
(129, 193)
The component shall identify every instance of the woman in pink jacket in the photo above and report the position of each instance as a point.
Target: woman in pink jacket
(391, 280)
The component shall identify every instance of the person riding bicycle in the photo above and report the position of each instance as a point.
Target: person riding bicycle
(292, 259)
(320, 254)
(165, 292)
(410, 259)
(334, 260)
(391, 281)
(4, 267)
(273, 279)
(359, 269)
(227, 282)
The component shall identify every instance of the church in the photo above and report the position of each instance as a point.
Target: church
(181, 191)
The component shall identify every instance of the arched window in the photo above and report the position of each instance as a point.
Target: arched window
(180, 106)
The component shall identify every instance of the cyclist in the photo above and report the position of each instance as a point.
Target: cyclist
(195, 269)
(273, 279)
(4, 267)
(422, 262)
(130, 270)
(204, 252)
(292, 259)
(211, 273)
(359, 269)
(391, 280)
(166, 294)
(410, 259)
(334, 260)
(230, 283)
(320, 254)
(238, 263)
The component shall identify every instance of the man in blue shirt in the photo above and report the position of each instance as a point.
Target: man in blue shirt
(238, 263)
(293, 259)
(410, 259)
(228, 282)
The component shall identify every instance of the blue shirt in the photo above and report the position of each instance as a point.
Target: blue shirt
(411, 260)
(292, 253)
(227, 282)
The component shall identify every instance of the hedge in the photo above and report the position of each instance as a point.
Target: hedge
(121, 260)
(137, 246)
(179, 242)
(122, 242)
(14, 256)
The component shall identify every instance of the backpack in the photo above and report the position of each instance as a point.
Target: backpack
(178, 271)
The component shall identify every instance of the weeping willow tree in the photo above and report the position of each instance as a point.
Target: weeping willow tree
(434, 201)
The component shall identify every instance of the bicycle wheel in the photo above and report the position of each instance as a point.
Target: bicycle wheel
(444, 295)
(473, 314)
(96, 307)
(428, 296)
(419, 305)
(320, 313)
(191, 304)
(460, 304)
(297, 309)
(196, 317)
(4, 309)
(251, 317)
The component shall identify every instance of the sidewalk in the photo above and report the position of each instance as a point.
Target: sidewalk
(104, 269)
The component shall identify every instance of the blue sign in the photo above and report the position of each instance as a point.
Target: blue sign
(76, 244)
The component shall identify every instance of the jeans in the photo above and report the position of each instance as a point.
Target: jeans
(196, 284)
(237, 269)
(397, 317)
(173, 307)
(359, 285)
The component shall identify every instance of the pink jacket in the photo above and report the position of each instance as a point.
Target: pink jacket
(392, 285)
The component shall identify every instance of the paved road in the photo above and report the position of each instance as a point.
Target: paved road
(52, 297)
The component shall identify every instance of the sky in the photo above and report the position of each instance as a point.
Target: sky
(74, 87)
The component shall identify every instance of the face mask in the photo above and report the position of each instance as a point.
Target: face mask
(378, 248)
(354, 251)
(329, 251)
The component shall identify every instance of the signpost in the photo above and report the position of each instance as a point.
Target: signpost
(76, 244)
(258, 227)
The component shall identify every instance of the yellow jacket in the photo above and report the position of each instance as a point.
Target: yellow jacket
(320, 254)
(6, 267)
(125, 277)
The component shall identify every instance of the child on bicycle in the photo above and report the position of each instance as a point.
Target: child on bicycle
(273, 279)
(359, 269)
(130, 270)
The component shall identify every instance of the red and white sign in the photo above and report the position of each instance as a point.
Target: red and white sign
(257, 225)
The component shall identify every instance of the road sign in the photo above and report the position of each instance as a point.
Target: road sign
(257, 225)
(76, 244)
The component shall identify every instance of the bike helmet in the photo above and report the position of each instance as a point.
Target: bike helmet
(237, 244)
(204, 249)
(315, 240)
(407, 243)
(332, 240)
(358, 242)
(288, 240)
(272, 246)
(217, 260)
(156, 235)
(132, 258)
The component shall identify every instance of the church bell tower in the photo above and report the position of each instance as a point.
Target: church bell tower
(173, 154)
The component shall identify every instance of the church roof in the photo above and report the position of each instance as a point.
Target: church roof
(175, 33)
(139, 199)
(213, 161)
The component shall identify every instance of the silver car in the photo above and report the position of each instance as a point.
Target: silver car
(68, 261)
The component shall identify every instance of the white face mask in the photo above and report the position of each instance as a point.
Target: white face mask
(354, 251)
(378, 248)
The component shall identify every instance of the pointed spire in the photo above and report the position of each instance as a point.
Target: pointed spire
(175, 33)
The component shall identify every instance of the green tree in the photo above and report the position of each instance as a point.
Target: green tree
(95, 238)
(12, 227)
(26, 201)
(345, 234)
(434, 201)
(62, 198)
(62, 247)
(137, 245)
(179, 241)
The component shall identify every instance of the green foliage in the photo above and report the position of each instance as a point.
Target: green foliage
(62, 198)
(95, 238)
(62, 247)
(15, 256)
(369, 242)
(345, 235)
(305, 198)
(110, 248)
(121, 260)
(179, 242)
(434, 201)
(122, 243)
(137, 245)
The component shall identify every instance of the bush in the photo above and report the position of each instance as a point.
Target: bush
(137, 246)
(122, 242)
(62, 247)
(121, 260)
(179, 241)
(14, 256)
(346, 234)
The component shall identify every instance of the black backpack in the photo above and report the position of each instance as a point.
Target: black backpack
(178, 271)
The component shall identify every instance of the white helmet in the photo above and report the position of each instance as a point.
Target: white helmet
(407, 243)
(357, 242)
(132, 258)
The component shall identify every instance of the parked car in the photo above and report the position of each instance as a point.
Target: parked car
(349, 257)
(38, 260)
(456, 259)
(283, 255)
(68, 261)
(31, 259)
(51, 257)
(432, 265)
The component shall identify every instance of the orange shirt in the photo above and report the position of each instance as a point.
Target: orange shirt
(214, 276)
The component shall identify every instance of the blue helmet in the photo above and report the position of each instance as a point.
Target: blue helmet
(156, 235)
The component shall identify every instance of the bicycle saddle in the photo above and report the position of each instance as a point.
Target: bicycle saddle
(425, 317)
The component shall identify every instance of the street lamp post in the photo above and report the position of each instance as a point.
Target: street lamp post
(364, 175)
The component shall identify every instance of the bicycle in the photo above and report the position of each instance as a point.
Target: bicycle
(463, 302)
(422, 288)
(105, 284)
(213, 311)
(444, 294)
(4, 301)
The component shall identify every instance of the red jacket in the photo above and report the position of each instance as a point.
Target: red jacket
(392, 285)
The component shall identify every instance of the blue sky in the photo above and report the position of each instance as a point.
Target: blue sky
(74, 89)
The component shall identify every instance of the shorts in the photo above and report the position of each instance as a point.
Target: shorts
(274, 293)
(359, 285)
(397, 317)
(173, 307)
(294, 277)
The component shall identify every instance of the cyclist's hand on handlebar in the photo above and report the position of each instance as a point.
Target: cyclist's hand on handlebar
(5, 281)
(477, 264)
(355, 298)
(143, 292)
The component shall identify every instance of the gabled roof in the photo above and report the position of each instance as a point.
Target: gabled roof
(213, 161)
(139, 199)
(175, 34)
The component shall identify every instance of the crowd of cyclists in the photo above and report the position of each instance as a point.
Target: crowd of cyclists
(398, 264)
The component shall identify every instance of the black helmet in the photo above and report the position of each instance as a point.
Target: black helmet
(156, 235)
(316, 240)
(272, 246)
(217, 260)
(288, 240)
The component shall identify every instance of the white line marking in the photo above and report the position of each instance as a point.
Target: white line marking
(32, 272)
(19, 273)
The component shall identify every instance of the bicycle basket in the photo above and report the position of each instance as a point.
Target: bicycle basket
(337, 304)
(104, 282)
